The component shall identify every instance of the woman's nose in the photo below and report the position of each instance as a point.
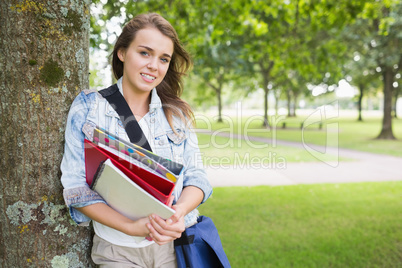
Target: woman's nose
(153, 65)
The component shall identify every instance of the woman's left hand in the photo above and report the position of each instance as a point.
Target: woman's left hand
(164, 231)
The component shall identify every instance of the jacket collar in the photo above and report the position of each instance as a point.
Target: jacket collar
(155, 100)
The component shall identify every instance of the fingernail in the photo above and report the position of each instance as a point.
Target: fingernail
(169, 221)
(148, 238)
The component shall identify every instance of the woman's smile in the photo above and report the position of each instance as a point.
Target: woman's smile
(148, 78)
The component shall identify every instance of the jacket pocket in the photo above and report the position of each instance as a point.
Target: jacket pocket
(171, 145)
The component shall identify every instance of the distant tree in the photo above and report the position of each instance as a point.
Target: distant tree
(297, 37)
(44, 63)
(379, 26)
(217, 58)
(285, 83)
(362, 73)
(264, 28)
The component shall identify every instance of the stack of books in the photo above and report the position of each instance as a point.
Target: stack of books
(131, 179)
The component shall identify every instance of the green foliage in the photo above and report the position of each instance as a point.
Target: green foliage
(322, 225)
(379, 27)
(243, 46)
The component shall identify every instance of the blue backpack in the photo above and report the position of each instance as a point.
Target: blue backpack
(200, 246)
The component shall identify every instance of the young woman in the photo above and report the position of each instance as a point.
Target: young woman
(148, 61)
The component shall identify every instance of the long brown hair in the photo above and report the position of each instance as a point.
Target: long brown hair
(171, 87)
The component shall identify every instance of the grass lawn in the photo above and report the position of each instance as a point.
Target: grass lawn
(345, 132)
(321, 225)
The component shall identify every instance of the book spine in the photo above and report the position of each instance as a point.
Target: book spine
(98, 173)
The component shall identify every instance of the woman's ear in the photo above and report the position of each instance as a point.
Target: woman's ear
(121, 54)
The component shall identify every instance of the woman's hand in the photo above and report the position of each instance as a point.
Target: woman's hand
(164, 231)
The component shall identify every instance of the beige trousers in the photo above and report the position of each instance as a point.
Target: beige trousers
(108, 255)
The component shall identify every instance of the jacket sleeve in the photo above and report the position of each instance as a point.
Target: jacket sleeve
(76, 191)
(194, 172)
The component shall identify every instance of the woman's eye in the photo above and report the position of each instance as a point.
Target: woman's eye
(144, 53)
(164, 60)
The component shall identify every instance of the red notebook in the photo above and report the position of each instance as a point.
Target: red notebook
(155, 185)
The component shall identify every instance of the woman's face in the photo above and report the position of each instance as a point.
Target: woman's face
(146, 60)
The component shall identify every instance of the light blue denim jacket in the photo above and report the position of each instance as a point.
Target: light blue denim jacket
(90, 108)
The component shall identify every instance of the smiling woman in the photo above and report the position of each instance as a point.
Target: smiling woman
(148, 61)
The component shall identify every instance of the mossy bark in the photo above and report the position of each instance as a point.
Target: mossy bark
(44, 64)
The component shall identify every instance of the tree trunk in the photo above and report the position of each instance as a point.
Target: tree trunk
(359, 102)
(218, 92)
(266, 120)
(288, 98)
(219, 96)
(265, 73)
(295, 99)
(277, 97)
(44, 63)
(386, 131)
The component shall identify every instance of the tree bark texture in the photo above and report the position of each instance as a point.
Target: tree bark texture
(386, 131)
(44, 64)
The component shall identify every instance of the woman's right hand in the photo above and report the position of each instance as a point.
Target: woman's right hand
(138, 227)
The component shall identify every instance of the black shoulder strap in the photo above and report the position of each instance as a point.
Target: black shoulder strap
(119, 104)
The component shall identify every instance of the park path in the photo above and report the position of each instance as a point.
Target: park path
(360, 167)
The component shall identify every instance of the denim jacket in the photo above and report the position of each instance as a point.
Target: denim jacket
(90, 108)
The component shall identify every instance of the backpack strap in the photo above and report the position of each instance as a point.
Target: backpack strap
(116, 100)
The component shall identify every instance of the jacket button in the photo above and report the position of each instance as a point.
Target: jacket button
(161, 142)
(152, 120)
